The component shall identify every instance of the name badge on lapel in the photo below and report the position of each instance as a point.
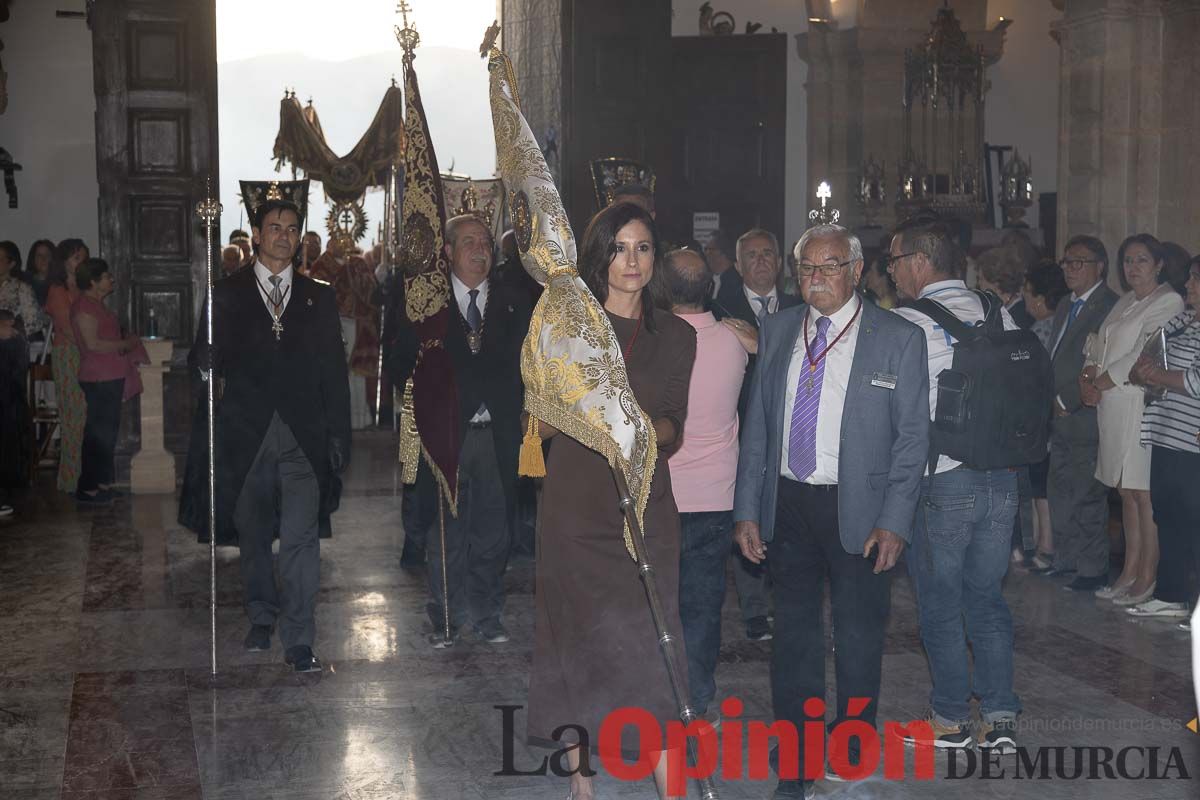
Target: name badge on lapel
(883, 380)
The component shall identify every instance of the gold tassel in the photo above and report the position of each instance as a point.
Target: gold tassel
(410, 441)
(531, 463)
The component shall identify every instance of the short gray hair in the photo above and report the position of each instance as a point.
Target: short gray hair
(757, 233)
(830, 232)
(454, 223)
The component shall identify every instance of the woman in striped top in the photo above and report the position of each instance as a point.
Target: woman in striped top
(1171, 427)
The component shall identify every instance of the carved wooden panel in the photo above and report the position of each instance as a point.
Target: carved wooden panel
(160, 227)
(157, 55)
(158, 142)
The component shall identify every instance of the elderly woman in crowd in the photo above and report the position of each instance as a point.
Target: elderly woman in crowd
(1044, 288)
(64, 359)
(595, 645)
(37, 269)
(106, 375)
(1002, 271)
(1122, 461)
(1171, 429)
(15, 294)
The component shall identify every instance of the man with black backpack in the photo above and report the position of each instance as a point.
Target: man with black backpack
(990, 390)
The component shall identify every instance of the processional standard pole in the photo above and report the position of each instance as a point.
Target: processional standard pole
(385, 254)
(666, 639)
(209, 210)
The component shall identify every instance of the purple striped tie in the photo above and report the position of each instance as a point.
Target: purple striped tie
(802, 443)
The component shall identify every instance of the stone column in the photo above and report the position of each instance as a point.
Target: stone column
(152, 470)
(1128, 122)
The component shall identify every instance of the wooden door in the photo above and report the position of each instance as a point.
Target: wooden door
(727, 104)
(615, 60)
(156, 145)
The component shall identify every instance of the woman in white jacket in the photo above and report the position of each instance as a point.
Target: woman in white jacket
(1122, 461)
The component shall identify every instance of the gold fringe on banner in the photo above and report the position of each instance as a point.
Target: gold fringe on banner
(410, 442)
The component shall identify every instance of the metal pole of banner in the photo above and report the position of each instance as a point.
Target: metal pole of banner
(385, 256)
(209, 210)
(667, 641)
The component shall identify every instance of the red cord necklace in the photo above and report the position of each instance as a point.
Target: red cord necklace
(633, 340)
(813, 362)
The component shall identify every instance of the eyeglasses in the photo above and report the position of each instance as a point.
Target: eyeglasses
(828, 270)
(1075, 264)
(889, 261)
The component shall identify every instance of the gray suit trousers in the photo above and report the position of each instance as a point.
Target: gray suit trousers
(476, 541)
(1078, 502)
(280, 493)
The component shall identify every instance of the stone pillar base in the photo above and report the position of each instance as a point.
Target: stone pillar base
(152, 469)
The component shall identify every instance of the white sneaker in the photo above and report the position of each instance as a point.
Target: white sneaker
(6, 510)
(1158, 608)
(1186, 625)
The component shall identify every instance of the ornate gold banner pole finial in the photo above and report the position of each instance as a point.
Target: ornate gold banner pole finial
(209, 211)
(406, 34)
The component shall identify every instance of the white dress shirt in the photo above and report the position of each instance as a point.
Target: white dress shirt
(772, 298)
(462, 296)
(963, 304)
(262, 276)
(834, 385)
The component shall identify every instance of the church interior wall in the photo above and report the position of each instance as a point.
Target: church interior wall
(789, 18)
(49, 126)
(1022, 104)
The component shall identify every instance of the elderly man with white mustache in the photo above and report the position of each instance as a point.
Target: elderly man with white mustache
(488, 323)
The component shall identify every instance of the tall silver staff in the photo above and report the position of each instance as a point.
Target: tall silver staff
(385, 254)
(666, 639)
(209, 211)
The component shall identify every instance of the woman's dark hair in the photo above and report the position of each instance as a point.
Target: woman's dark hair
(14, 256)
(1177, 265)
(58, 260)
(31, 257)
(89, 272)
(1047, 280)
(600, 246)
(1157, 252)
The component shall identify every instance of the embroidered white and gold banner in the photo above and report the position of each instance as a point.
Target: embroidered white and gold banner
(571, 361)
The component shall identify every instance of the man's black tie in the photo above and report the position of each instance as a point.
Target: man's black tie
(474, 318)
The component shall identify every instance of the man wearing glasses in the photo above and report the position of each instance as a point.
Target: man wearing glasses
(1078, 502)
(834, 441)
(957, 562)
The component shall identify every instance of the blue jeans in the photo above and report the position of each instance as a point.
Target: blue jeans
(960, 554)
(704, 552)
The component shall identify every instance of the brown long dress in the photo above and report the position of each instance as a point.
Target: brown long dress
(596, 648)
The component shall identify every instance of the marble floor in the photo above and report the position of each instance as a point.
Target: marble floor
(105, 692)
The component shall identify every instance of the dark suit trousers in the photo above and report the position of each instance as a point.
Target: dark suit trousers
(806, 547)
(1078, 502)
(476, 540)
(281, 492)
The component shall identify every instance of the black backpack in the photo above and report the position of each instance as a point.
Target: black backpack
(993, 404)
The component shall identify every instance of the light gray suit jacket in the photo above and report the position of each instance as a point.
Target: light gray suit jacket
(884, 433)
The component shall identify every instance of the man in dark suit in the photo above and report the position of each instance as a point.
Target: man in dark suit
(835, 441)
(489, 322)
(748, 293)
(1078, 502)
(282, 427)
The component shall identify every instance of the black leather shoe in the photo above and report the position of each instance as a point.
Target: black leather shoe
(1082, 584)
(795, 790)
(758, 629)
(301, 659)
(258, 638)
(1058, 572)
